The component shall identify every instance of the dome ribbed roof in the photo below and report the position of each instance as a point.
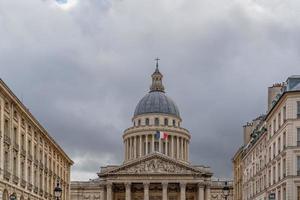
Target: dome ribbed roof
(156, 102)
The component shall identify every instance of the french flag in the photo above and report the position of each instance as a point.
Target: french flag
(161, 135)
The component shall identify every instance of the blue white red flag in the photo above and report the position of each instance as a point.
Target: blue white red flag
(161, 135)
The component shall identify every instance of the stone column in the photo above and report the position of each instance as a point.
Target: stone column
(153, 139)
(159, 145)
(146, 141)
(207, 192)
(200, 191)
(134, 147)
(109, 191)
(172, 146)
(177, 148)
(141, 151)
(182, 191)
(187, 150)
(166, 146)
(128, 191)
(129, 148)
(102, 193)
(146, 190)
(165, 190)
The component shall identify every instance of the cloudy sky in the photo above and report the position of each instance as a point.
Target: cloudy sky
(81, 66)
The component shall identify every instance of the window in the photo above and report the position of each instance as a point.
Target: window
(274, 126)
(284, 168)
(166, 122)
(279, 120)
(274, 175)
(139, 122)
(174, 122)
(274, 150)
(279, 145)
(147, 121)
(278, 171)
(156, 121)
(15, 135)
(298, 137)
(284, 114)
(284, 140)
(298, 165)
(298, 109)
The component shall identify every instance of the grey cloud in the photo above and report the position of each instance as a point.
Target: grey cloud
(81, 72)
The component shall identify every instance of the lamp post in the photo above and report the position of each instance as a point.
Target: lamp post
(57, 191)
(225, 191)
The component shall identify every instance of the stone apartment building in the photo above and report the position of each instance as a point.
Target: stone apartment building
(31, 162)
(268, 163)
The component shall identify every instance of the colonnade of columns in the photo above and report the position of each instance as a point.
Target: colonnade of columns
(175, 146)
(203, 191)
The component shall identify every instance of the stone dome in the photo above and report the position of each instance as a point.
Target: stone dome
(156, 102)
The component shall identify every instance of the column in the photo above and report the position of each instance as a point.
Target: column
(134, 147)
(172, 146)
(146, 190)
(182, 191)
(141, 142)
(159, 145)
(109, 191)
(177, 148)
(207, 192)
(146, 141)
(128, 191)
(153, 139)
(200, 191)
(166, 146)
(165, 190)
(129, 148)
(125, 144)
(187, 150)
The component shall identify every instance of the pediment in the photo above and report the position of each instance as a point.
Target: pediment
(155, 164)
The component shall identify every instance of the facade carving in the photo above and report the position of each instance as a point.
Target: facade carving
(156, 158)
(31, 162)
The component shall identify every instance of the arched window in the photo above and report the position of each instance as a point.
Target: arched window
(156, 121)
(166, 122)
(147, 121)
(139, 122)
(174, 122)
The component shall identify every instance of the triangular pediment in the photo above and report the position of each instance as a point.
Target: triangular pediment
(156, 164)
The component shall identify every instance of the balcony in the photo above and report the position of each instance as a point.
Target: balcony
(7, 140)
(36, 190)
(29, 186)
(7, 175)
(16, 146)
(15, 179)
(23, 183)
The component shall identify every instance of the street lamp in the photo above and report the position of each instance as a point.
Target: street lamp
(57, 191)
(225, 191)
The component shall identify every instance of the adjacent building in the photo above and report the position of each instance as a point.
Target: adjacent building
(269, 159)
(156, 159)
(31, 162)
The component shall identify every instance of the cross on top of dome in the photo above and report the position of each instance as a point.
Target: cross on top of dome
(157, 80)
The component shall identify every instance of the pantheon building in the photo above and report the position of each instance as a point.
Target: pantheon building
(156, 159)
